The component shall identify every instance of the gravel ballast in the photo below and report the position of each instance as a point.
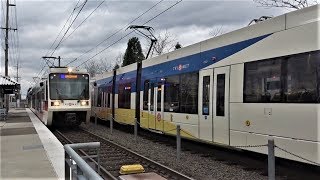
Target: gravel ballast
(190, 164)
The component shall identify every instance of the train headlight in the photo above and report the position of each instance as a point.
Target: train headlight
(69, 70)
(84, 103)
(56, 103)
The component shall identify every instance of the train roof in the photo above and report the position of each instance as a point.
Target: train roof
(257, 31)
(275, 24)
(66, 70)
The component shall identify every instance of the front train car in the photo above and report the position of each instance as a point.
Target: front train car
(69, 100)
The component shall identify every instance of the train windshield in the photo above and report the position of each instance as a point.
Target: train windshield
(69, 86)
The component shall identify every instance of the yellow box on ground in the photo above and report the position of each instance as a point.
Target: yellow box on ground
(131, 169)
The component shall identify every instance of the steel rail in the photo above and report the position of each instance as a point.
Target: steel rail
(107, 173)
(140, 156)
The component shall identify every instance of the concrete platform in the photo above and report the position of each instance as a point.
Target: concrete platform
(28, 149)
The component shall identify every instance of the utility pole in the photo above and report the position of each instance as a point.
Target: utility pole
(7, 28)
(18, 97)
(6, 42)
(6, 51)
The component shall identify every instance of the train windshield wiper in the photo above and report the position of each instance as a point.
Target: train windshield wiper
(83, 94)
(59, 95)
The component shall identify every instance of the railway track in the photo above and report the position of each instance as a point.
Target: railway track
(247, 160)
(113, 156)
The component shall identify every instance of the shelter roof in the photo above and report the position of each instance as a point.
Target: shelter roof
(7, 81)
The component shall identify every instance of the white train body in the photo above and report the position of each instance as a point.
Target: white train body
(63, 98)
(244, 87)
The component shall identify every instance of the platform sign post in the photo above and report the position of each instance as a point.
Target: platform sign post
(135, 129)
(178, 142)
(271, 160)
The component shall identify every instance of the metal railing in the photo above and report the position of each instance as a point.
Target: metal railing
(80, 170)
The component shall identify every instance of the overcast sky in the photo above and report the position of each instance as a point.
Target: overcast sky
(39, 23)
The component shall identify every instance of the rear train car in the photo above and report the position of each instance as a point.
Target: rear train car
(237, 89)
(62, 98)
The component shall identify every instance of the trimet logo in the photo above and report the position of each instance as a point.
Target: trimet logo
(180, 67)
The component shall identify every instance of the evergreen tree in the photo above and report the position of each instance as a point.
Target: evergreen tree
(133, 52)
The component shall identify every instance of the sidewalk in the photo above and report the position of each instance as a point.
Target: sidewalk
(22, 153)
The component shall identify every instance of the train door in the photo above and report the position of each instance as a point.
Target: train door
(152, 108)
(159, 94)
(205, 104)
(221, 127)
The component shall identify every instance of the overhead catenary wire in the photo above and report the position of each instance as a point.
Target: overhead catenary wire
(83, 21)
(130, 33)
(69, 27)
(116, 32)
(74, 9)
(66, 22)
(70, 16)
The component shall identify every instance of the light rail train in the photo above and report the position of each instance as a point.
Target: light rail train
(237, 89)
(62, 98)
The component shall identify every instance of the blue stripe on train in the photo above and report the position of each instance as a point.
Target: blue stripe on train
(182, 65)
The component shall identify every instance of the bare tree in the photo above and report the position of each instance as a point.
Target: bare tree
(217, 31)
(92, 67)
(118, 62)
(99, 67)
(105, 66)
(291, 4)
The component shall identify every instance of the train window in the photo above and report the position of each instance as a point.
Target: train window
(152, 97)
(46, 88)
(262, 81)
(124, 96)
(301, 78)
(181, 93)
(206, 95)
(172, 94)
(109, 100)
(189, 93)
(93, 98)
(220, 95)
(99, 97)
(159, 98)
(104, 99)
(145, 94)
(290, 79)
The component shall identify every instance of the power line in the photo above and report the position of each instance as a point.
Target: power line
(63, 26)
(69, 27)
(129, 33)
(83, 21)
(70, 17)
(124, 27)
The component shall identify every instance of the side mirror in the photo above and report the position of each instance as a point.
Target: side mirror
(94, 84)
(41, 84)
